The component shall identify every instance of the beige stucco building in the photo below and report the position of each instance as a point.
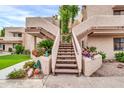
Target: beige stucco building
(100, 26)
(13, 36)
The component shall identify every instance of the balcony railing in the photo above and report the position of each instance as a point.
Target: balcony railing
(77, 50)
(11, 38)
(106, 21)
(55, 51)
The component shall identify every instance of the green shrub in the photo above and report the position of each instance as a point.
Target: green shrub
(119, 56)
(46, 44)
(29, 64)
(102, 54)
(122, 59)
(10, 49)
(17, 74)
(66, 38)
(26, 52)
(19, 49)
(92, 49)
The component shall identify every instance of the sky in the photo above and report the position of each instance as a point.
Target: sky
(15, 15)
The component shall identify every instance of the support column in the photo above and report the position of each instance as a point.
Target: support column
(86, 41)
(35, 41)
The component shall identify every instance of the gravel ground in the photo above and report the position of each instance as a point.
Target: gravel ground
(110, 69)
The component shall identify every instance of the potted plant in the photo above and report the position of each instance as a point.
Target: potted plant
(43, 54)
(35, 52)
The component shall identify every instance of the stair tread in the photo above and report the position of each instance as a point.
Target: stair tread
(69, 53)
(66, 56)
(64, 60)
(66, 45)
(66, 70)
(66, 65)
(66, 50)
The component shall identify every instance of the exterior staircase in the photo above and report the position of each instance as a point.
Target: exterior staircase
(66, 60)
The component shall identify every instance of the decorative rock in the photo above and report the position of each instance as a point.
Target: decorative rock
(30, 72)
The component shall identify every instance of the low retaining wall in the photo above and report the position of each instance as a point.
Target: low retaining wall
(45, 63)
(91, 65)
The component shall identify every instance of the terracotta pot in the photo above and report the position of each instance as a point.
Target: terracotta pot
(35, 52)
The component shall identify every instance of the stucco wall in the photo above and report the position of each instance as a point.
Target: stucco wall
(29, 42)
(92, 10)
(103, 43)
(9, 30)
(7, 46)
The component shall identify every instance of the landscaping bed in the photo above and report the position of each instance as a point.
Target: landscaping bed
(9, 60)
(108, 69)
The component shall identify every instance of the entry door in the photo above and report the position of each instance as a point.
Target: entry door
(3, 47)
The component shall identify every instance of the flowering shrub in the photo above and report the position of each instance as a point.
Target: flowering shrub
(90, 52)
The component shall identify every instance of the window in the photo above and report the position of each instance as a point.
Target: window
(17, 34)
(118, 12)
(1, 46)
(118, 43)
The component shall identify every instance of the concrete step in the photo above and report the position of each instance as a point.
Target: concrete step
(66, 56)
(66, 71)
(66, 50)
(66, 44)
(66, 53)
(66, 65)
(66, 61)
(65, 47)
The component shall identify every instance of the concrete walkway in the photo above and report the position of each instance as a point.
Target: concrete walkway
(65, 81)
(6, 71)
(84, 82)
(4, 53)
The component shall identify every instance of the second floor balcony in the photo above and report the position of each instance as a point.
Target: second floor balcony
(101, 24)
(11, 40)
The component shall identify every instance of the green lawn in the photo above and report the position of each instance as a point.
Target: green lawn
(9, 60)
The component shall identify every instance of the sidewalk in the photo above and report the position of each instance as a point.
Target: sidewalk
(4, 53)
(84, 82)
(65, 81)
